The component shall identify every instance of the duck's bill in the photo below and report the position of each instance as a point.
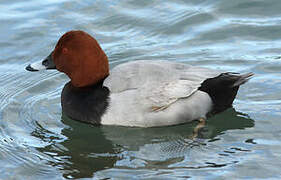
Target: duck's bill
(47, 63)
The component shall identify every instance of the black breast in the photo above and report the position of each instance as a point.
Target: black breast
(86, 104)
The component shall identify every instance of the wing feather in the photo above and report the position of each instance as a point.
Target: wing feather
(157, 84)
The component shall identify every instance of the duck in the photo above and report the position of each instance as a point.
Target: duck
(141, 93)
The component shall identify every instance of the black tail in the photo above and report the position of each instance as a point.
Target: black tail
(223, 89)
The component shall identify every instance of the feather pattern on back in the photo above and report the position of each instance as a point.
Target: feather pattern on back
(144, 87)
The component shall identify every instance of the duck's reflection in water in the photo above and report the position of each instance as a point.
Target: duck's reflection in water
(88, 149)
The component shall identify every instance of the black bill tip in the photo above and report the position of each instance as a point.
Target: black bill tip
(29, 68)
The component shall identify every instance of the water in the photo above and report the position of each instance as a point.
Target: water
(37, 142)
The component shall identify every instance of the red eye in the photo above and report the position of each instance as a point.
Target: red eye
(64, 50)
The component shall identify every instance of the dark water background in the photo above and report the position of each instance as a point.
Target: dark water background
(37, 142)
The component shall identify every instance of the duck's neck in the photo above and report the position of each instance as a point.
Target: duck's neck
(99, 84)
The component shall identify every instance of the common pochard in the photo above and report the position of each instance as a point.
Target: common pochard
(144, 93)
